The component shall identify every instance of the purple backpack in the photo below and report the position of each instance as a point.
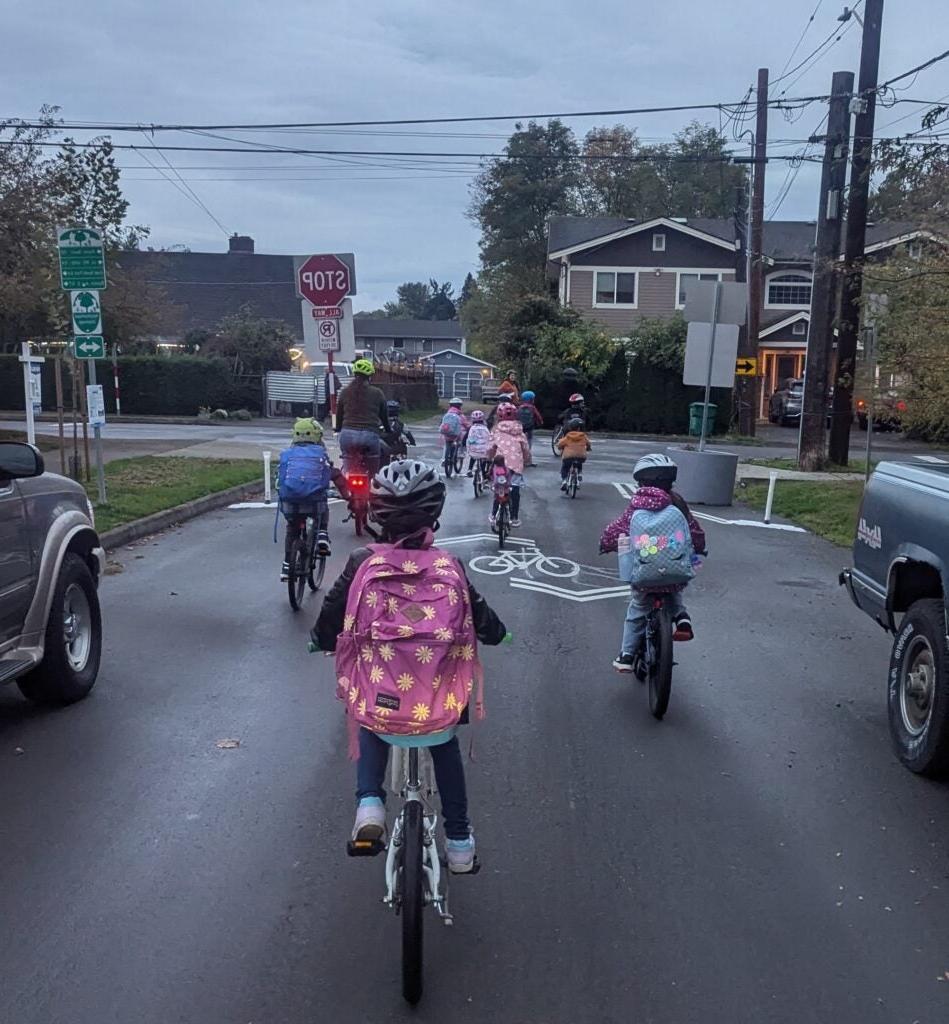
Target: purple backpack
(407, 659)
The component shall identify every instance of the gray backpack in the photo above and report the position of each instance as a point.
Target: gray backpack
(658, 551)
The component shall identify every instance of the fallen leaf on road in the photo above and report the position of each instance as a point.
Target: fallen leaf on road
(173, 593)
(228, 744)
(114, 568)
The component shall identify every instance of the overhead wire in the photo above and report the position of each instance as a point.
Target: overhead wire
(797, 45)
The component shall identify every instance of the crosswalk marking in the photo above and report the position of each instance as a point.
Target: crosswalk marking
(933, 458)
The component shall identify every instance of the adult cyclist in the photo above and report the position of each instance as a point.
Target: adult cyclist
(360, 416)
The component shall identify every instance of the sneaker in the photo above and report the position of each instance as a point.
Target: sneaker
(470, 472)
(461, 855)
(563, 486)
(284, 572)
(515, 522)
(323, 544)
(623, 662)
(683, 628)
(370, 820)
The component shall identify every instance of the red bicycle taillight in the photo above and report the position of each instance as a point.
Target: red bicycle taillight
(861, 404)
(358, 483)
(901, 407)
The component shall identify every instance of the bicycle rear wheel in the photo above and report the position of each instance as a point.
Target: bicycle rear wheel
(413, 902)
(449, 463)
(477, 482)
(296, 577)
(573, 484)
(660, 669)
(503, 525)
(554, 438)
(459, 460)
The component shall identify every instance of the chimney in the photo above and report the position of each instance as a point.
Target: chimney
(240, 244)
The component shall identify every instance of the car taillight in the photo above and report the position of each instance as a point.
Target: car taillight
(358, 483)
(861, 404)
(901, 407)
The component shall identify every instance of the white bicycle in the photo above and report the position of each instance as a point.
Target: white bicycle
(416, 872)
(521, 561)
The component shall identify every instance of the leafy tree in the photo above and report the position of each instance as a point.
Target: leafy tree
(468, 290)
(412, 299)
(515, 196)
(915, 182)
(250, 343)
(583, 345)
(659, 341)
(441, 305)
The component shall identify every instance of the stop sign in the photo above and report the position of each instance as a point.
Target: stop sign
(323, 280)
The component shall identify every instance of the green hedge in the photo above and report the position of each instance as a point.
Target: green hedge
(150, 385)
(639, 398)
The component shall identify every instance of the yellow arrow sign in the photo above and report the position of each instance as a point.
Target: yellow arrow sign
(746, 367)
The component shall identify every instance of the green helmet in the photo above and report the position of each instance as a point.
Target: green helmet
(307, 429)
(364, 367)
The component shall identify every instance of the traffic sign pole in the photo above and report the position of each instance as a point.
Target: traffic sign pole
(97, 433)
(29, 362)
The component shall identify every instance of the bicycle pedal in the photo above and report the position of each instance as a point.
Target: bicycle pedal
(365, 847)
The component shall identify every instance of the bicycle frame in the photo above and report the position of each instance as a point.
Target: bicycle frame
(416, 784)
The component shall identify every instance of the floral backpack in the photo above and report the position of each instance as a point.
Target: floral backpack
(407, 659)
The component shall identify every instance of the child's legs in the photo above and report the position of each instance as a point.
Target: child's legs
(516, 480)
(293, 531)
(450, 777)
(564, 468)
(634, 627)
(676, 604)
(371, 766)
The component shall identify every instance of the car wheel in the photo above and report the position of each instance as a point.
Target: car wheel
(73, 647)
(918, 690)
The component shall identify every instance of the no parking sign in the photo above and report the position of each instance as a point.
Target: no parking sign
(329, 335)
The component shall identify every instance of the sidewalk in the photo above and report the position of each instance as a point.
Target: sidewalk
(746, 472)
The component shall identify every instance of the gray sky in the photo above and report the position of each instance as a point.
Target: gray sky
(250, 61)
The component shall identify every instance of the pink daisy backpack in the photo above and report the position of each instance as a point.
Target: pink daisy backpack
(407, 659)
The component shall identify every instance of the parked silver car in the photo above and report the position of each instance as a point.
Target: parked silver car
(50, 563)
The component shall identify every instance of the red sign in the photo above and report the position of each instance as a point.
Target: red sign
(326, 313)
(323, 280)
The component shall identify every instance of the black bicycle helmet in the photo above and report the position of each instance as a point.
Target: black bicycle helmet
(393, 407)
(575, 423)
(406, 496)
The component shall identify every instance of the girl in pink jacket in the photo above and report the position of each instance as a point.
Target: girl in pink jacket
(508, 439)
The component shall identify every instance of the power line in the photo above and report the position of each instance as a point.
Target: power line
(913, 71)
(797, 45)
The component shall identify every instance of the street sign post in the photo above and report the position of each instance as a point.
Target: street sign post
(697, 346)
(89, 347)
(746, 367)
(95, 403)
(324, 280)
(32, 388)
(81, 258)
(329, 335)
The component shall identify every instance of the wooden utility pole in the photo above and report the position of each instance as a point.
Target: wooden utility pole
(865, 108)
(749, 410)
(820, 342)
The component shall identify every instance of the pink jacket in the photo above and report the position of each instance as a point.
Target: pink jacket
(654, 499)
(508, 439)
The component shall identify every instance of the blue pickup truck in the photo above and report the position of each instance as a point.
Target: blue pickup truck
(900, 577)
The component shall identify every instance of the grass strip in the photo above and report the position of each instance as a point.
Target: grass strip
(854, 466)
(140, 487)
(826, 508)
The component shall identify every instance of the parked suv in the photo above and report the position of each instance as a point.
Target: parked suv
(786, 402)
(50, 562)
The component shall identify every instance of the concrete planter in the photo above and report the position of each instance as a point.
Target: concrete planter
(705, 478)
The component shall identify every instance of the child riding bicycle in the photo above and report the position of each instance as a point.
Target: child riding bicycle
(573, 446)
(405, 623)
(396, 437)
(454, 425)
(508, 439)
(304, 474)
(655, 475)
(478, 441)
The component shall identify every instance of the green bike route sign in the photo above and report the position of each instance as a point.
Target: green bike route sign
(81, 258)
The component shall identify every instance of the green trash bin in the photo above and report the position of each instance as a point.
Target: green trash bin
(695, 418)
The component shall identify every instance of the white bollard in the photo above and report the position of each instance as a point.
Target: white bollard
(268, 496)
(772, 481)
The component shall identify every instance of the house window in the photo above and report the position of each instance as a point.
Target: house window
(799, 328)
(614, 289)
(398, 343)
(426, 344)
(684, 280)
(916, 250)
(789, 290)
(658, 243)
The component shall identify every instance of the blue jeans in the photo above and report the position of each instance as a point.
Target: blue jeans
(449, 775)
(640, 605)
(360, 447)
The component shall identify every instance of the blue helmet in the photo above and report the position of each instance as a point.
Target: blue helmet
(528, 396)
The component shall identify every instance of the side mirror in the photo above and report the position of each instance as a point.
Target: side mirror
(19, 461)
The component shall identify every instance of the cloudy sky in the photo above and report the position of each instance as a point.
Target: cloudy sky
(248, 61)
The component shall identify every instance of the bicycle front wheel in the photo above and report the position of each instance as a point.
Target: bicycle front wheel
(660, 669)
(317, 572)
(413, 902)
(296, 577)
(554, 438)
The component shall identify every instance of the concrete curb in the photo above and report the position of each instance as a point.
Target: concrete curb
(139, 528)
(746, 472)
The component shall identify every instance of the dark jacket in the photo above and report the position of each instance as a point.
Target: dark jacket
(396, 435)
(361, 406)
(329, 624)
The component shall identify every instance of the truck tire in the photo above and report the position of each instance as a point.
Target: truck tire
(918, 690)
(73, 645)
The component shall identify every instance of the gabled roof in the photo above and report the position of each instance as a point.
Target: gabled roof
(885, 235)
(785, 321)
(366, 327)
(624, 228)
(455, 354)
(202, 288)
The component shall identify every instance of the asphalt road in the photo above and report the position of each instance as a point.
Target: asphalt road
(757, 856)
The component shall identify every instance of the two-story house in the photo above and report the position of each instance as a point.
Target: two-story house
(617, 271)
